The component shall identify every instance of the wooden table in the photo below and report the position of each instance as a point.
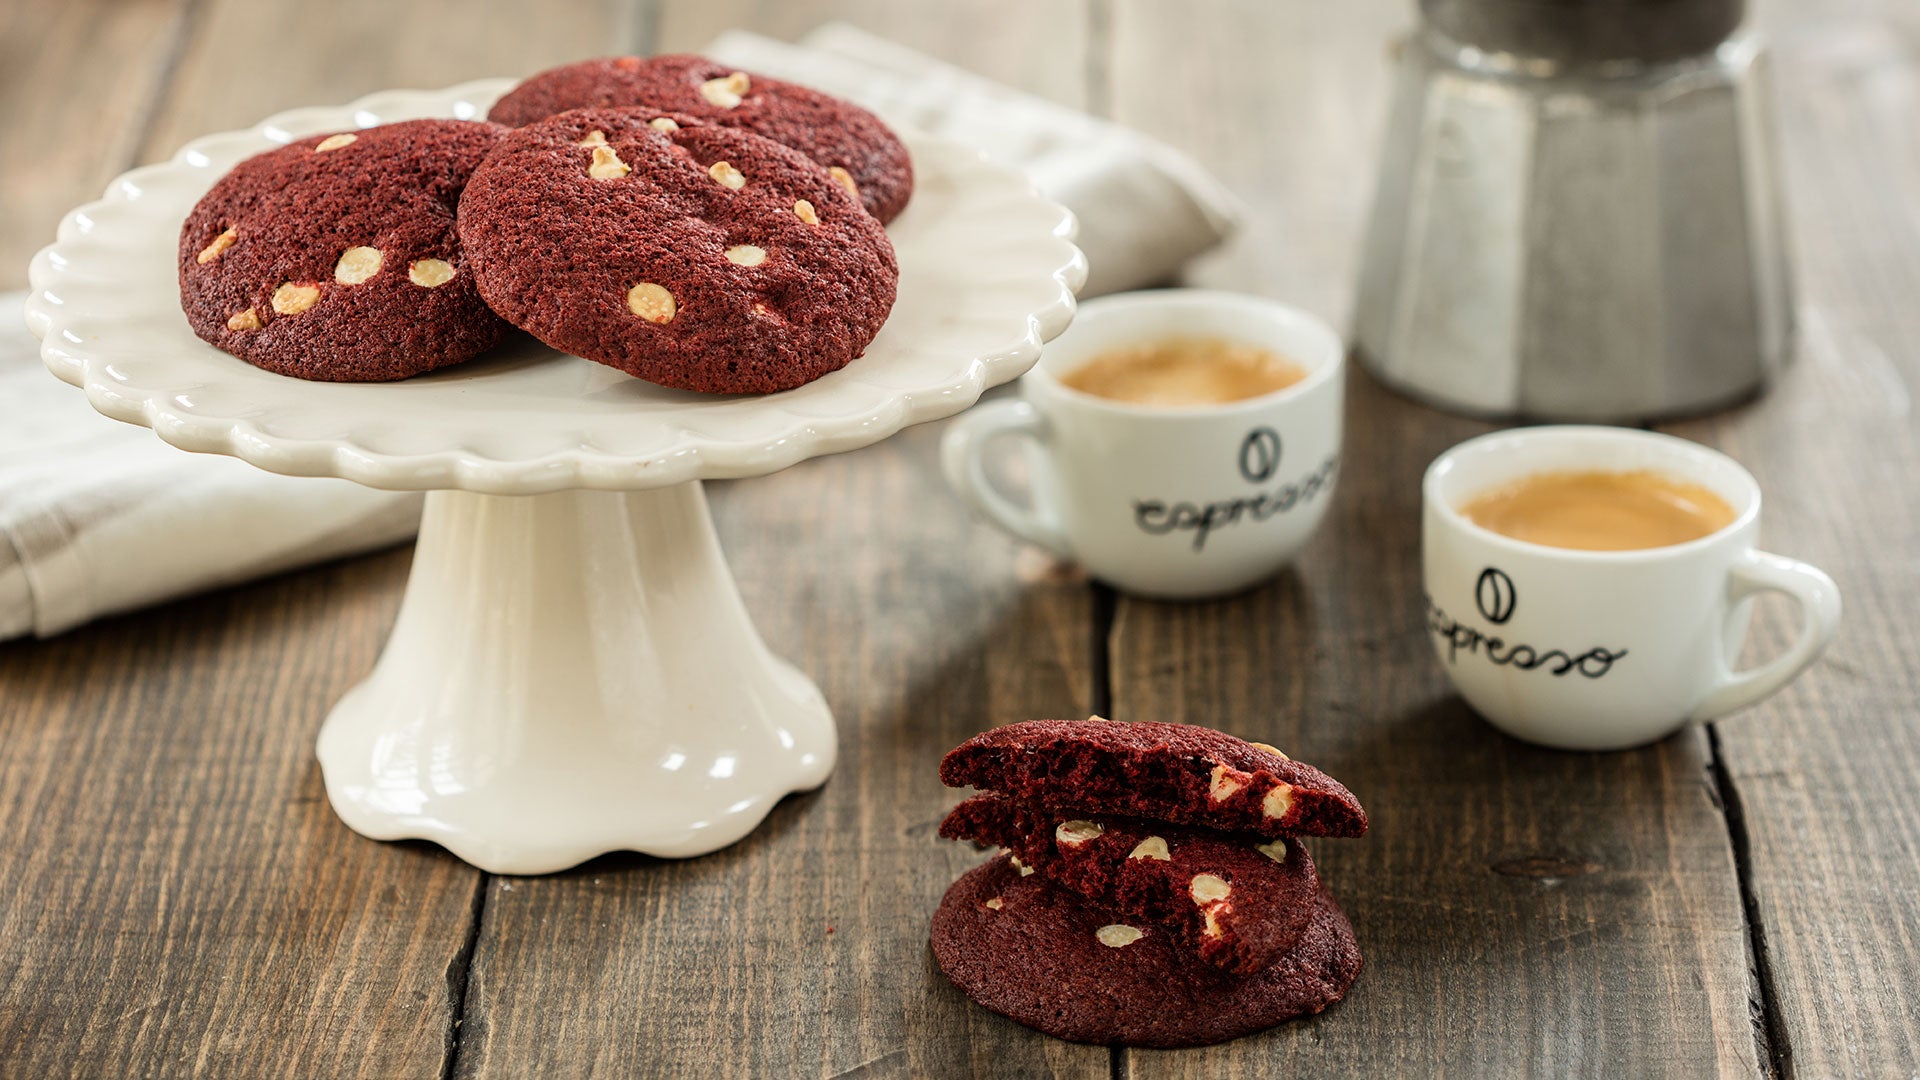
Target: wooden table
(177, 898)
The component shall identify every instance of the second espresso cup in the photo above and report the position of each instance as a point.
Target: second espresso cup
(1605, 649)
(1176, 502)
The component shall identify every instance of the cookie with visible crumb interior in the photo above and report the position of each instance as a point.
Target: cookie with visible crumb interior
(693, 256)
(1175, 773)
(870, 159)
(1039, 956)
(1238, 902)
(336, 257)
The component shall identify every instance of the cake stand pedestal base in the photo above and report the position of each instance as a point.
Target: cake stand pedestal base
(572, 674)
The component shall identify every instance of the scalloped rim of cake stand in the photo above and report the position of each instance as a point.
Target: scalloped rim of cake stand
(974, 226)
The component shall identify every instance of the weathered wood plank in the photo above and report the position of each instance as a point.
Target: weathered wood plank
(1824, 774)
(1523, 912)
(287, 55)
(176, 896)
(802, 950)
(1041, 48)
(73, 122)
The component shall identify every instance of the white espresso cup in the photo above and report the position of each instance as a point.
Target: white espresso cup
(1600, 650)
(1182, 502)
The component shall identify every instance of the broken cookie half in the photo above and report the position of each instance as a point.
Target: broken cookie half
(1172, 851)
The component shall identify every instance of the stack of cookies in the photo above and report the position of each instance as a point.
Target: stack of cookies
(1153, 891)
(692, 225)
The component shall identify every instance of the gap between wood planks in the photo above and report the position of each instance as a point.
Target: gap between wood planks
(646, 34)
(1769, 1026)
(1770, 1044)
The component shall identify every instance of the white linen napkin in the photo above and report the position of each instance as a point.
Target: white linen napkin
(98, 517)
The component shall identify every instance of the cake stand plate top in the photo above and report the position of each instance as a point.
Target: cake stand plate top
(988, 272)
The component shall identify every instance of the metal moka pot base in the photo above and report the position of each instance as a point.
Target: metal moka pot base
(1576, 239)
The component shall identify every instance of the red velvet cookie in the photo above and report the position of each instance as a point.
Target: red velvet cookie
(1037, 955)
(700, 257)
(1239, 904)
(835, 133)
(336, 257)
(1165, 772)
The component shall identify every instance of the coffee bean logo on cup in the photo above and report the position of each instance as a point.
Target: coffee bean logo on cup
(1260, 455)
(1145, 425)
(1494, 595)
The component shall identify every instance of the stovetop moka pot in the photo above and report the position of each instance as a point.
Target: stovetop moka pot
(1578, 213)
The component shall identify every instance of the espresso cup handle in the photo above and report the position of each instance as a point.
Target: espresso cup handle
(963, 458)
(1819, 601)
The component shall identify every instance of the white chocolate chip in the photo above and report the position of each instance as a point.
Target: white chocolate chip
(726, 91)
(1271, 749)
(1207, 888)
(663, 123)
(1020, 866)
(1100, 718)
(606, 164)
(220, 243)
(996, 903)
(1277, 851)
(594, 138)
(431, 273)
(727, 176)
(291, 299)
(746, 255)
(356, 265)
(1116, 936)
(846, 180)
(651, 302)
(802, 210)
(244, 320)
(335, 142)
(1213, 920)
(1153, 847)
(1277, 802)
(1075, 833)
(1223, 784)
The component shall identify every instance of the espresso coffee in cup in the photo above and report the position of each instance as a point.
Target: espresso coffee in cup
(1179, 443)
(1600, 511)
(1182, 371)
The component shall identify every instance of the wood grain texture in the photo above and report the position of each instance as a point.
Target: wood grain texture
(1044, 48)
(1824, 773)
(1522, 912)
(287, 54)
(176, 896)
(87, 72)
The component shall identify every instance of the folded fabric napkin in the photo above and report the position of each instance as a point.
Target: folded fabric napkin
(98, 517)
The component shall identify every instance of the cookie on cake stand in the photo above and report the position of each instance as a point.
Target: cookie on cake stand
(572, 671)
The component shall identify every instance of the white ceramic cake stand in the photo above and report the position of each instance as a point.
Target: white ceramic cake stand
(572, 671)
